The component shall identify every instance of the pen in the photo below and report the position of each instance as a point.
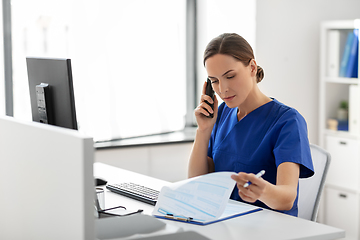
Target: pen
(185, 219)
(259, 174)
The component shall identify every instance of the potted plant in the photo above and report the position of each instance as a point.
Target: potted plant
(342, 113)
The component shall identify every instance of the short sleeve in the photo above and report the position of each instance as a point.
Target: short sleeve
(292, 144)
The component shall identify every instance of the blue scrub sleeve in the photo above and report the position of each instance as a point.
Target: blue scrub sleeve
(293, 144)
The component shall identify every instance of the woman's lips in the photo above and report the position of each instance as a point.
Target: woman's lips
(229, 98)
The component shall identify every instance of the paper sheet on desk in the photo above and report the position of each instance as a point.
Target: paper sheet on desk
(202, 198)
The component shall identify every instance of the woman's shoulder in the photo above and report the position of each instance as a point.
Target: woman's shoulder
(285, 110)
(285, 115)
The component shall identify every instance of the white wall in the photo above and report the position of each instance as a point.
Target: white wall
(168, 162)
(287, 47)
(216, 17)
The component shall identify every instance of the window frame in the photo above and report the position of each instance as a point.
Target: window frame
(8, 81)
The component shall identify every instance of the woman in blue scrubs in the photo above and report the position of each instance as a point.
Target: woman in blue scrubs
(249, 132)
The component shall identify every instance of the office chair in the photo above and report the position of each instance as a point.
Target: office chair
(310, 189)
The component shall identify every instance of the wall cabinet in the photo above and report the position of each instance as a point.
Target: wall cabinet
(339, 121)
(342, 210)
(344, 170)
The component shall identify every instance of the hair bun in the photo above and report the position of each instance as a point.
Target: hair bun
(260, 74)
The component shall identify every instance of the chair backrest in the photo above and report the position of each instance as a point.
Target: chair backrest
(310, 189)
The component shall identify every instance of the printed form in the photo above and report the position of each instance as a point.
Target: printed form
(200, 199)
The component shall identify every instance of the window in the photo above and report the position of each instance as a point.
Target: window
(128, 57)
(128, 61)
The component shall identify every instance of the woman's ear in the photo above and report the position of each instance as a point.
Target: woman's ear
(253, 67)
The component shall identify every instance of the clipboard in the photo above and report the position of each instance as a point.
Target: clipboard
(234, 209)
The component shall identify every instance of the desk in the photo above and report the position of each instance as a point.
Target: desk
(265, 224)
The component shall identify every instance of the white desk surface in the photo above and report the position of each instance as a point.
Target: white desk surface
(265, 224)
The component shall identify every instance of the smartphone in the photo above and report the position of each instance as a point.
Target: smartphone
(210, 92)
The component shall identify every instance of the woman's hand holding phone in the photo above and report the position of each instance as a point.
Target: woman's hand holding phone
(209, 92)
(204, 110)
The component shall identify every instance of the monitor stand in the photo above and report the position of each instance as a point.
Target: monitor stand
(44, 103)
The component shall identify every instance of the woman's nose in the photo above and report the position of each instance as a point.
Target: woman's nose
(223, 88)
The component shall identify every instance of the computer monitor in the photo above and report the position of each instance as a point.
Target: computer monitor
(51, 91)
(46, 182)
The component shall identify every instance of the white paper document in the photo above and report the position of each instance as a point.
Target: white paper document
(201, 199)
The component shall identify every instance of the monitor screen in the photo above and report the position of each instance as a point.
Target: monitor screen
(51, 91)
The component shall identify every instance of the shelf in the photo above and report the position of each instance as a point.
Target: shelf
(338, 58)
(344, 134)
(349, 24)
(342, 80)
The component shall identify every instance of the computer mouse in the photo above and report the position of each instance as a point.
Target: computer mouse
(100, 181)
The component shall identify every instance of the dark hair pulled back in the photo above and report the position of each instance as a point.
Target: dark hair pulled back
(233, 45)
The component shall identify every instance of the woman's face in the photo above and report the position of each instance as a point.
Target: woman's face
(230, 79)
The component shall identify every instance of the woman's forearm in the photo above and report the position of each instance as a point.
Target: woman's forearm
(198, 162)
(279, 197)
(282, 195)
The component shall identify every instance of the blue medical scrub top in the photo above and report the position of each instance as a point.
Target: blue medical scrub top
(268, 136)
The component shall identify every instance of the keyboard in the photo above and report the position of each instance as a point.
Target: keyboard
(135, 191)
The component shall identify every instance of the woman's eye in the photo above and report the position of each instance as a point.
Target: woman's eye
(215, 81)
(229, 77)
